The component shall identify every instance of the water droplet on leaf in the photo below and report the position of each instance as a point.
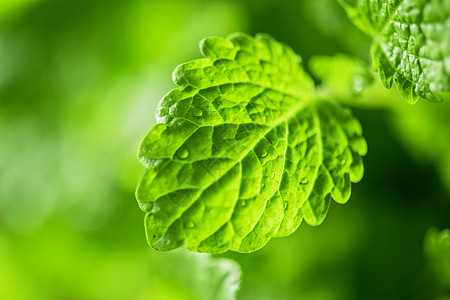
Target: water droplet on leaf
(146, 206)
(304, 180)
(197, 112)
(343, 161)
(357, 84)
(243, 203)
(190, 224)
(264, 153)
(162, 111)
(183, 153)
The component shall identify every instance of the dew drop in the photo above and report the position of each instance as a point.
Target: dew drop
(146, 206)
(183, 153)
(343, 162)
(197, 112)
(357, 84)
(272, 175)
(190, 224)
(264, 153)
(162, 111)
(304, 180)
(263, 184)
(243, 203)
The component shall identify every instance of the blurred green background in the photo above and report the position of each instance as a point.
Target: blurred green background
(79, 81)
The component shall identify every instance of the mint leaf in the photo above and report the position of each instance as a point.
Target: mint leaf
(411, 45)
(199, 276)
(342, 77)
(222, 276)
(437, 252)
(242, 151)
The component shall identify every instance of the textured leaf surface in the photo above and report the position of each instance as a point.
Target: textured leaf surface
(242, 152)
(411, 44)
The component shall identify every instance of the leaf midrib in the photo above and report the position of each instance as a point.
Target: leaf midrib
(288, 116)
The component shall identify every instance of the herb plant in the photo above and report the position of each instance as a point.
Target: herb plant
(246, 147)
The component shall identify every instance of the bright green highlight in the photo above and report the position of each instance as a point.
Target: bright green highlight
(411, 45)
(242, 151)
(342, 77)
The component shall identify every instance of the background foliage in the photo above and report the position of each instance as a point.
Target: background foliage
(79, 81)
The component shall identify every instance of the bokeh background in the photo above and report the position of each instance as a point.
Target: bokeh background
(79, 81)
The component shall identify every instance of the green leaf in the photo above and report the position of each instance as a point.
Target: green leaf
(411, 45)
(199, 276)
(242, 151)
(222, 276)
(437, 252)
(342, 77)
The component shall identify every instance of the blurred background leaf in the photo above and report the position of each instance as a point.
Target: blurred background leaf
(437, 252)
(79, 81)
(341, 76)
